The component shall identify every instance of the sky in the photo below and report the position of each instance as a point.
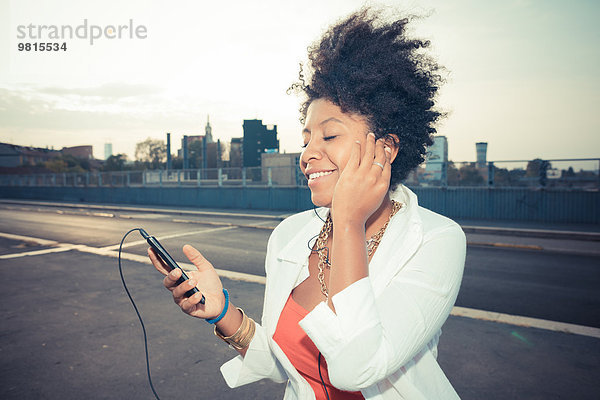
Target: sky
(522, 75)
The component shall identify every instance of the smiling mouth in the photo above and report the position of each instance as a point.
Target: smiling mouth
(316, 175)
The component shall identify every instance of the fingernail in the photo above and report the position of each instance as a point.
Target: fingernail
(358, 141)
(372, 134)
(388, 149)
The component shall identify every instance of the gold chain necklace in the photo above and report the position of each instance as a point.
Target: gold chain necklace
(323, 251)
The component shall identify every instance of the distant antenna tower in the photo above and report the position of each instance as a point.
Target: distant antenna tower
(208, 130)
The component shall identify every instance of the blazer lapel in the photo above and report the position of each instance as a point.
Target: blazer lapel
(290, 262)
(406, 230)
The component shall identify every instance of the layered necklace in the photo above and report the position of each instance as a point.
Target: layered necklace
(323, 250)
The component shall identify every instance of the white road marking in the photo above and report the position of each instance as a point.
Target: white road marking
(264, 224)
(483, 315)
(237, 276)
(59, 249)
(525, 321)
(43, 242)
(174, 235)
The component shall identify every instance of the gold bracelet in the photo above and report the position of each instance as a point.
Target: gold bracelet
(247, 338)
(243, 336)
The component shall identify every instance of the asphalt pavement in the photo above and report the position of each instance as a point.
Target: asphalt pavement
(69, 331)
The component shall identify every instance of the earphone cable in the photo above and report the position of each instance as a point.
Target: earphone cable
(138, 314)
(321, 376)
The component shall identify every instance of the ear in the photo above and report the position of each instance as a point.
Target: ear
(393, 143)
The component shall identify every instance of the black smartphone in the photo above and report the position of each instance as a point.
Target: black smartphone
(169, 261)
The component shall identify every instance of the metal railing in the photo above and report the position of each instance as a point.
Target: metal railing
(211, 177)
(580, 173)
(557, 174)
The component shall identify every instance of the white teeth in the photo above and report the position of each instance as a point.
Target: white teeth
(318, 174)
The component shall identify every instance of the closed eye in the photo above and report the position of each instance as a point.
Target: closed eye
(326, 138)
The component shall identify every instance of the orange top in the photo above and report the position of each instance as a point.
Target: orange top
(303, 354)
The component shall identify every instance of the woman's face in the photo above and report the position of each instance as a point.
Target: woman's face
(328, 136)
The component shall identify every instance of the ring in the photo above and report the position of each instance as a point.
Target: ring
(378, 163)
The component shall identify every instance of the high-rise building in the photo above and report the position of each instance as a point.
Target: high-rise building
(198, 151)
(235, 152)
(437, 160)
(107, 150)
(258, 139)
(214, 156)
(481, 148)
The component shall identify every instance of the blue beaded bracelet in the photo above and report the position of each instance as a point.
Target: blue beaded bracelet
(220, 317)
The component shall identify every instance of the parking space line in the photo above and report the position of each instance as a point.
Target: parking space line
(237, 276)
(526, 321)
(464, 312)
(59, 249)
(43, 242)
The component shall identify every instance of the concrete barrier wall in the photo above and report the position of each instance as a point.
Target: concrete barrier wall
(513, 204)
(467, 203)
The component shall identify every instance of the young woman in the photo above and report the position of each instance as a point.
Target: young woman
(357, 289)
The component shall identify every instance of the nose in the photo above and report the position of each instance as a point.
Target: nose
(310, 152)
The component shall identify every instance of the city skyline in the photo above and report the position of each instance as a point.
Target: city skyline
(522, 75)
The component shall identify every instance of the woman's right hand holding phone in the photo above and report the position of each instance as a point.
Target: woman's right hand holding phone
(205, 279)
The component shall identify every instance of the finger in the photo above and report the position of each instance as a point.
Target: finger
(354, 160)
(157, 262)
(196, 258)
(171, 279)
(388, 153)
(380, 157)
(387, 169)
(180, 291)
(367, 158)
(191, 304)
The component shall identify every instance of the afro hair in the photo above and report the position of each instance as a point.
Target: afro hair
(367, 65)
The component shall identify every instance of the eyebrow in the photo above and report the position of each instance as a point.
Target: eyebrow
(332, 119)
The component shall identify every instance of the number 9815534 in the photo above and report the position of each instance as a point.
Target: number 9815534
(50, 46)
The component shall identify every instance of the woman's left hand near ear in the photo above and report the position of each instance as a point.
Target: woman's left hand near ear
(363, 183)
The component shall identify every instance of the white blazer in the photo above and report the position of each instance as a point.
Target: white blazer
(382, 339)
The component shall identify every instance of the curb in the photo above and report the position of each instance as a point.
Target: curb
(538, 233)
(279, 217)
